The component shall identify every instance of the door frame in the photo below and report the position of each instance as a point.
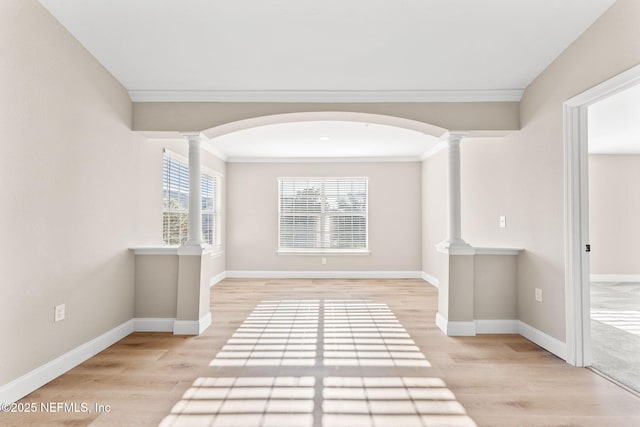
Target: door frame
(576, 212)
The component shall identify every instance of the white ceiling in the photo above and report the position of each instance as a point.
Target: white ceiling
(299, 49)
(325, 140)
(330, 50)
(614, 124)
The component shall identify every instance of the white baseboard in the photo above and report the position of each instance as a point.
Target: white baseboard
(38, 377)
(616, 278)
(431, 279)
(253, 274)
(496, 326)
(192, 327)
(152, 324)
(455, 328)
(204, 323)
(217, 278)
(465, 329)
(545, 341)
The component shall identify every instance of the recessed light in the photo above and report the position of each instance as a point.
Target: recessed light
(324, 138)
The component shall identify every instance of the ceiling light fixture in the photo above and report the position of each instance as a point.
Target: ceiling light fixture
(324, 138)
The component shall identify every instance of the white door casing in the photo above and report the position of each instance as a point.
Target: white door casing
(576, 208)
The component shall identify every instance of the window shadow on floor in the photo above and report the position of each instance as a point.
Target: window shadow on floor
(319, 363)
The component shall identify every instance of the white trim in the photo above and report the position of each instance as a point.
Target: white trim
(496, 326)
(498, 251)
(204, 323)
(155, 250)
(186, 327)
(342, 159)
(545, 341)
(441, 322)
(576, 207)
(217, 279)
(203, 249)
(455, 328)
(192, 327)
(255, 274)
(324, 252)
(41, 375)
(448, 248)
(153, 324)
(616, 278)
(432, 280)
(198, 249)
(471, 328)
(499, 95)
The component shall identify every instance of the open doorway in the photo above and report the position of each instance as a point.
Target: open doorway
(577, 239)
(614, 233)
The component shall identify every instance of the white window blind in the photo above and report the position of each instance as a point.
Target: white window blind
(322, 213)
(175, 215)
(209, 188)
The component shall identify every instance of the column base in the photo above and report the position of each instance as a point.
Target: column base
(457, 247)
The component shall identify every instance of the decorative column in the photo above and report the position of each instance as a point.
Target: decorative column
(456, 291)
(192, 303)
(454, 238)
(195, 193)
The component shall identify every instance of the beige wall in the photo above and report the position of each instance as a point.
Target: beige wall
(68, 204)
(80, 189)
(434, 214)
(199, 116)
(489, 190)
(614, 214)
(394, 217)
(156, 286)
(495, 291)
(610, 46)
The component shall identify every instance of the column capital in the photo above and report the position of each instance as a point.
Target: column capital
(453, 137)
(192, 136)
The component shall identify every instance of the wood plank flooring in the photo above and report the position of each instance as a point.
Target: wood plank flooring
(325, 353)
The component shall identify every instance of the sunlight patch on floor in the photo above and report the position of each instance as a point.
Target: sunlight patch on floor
(319, 339)
(626, 320)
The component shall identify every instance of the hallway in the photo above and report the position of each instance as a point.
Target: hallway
(322, 353)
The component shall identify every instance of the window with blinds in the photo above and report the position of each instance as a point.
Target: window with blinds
(322, 214)
(175, 215)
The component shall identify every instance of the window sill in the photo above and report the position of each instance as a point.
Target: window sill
(324, 252)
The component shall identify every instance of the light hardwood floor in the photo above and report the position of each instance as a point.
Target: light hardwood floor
(324, 353)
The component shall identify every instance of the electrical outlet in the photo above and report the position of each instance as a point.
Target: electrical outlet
(503, 221)
(324, 260)
(538, 294)
(59, 313)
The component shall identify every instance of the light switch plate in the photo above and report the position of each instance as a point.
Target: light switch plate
(59, 313)
(538, 294)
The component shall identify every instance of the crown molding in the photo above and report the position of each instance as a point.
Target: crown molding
(328, 96)
(380, 159)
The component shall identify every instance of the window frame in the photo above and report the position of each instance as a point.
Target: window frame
(216, 241)
(323, 216)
